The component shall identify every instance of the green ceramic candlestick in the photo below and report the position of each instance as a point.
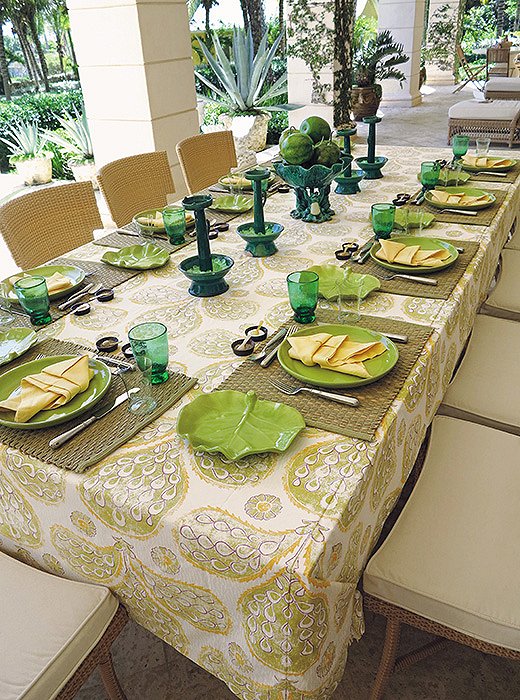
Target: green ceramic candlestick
(257, 176)
(259, 235)
(347, 150)
(371, 164)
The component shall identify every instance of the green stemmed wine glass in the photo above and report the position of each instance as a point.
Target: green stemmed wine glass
(303, 295)
(33, 296)
(383, 218)
(150, 340)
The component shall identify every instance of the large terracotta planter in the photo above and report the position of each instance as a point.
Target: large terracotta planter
(35, 171)
(365, 101)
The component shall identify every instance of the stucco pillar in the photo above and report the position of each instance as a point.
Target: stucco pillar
(405, 20)
(136, 73)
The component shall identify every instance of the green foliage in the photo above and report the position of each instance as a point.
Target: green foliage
(441, 38)
(377, 60)
(24, 140)
(74, 136)
(365, 29)
(278, 122)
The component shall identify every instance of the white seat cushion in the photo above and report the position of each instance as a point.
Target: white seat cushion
(506, 294)
(48, 625)
(483, 111)
(487, 382)
(514, 243)
(452, 556)
(503, 85)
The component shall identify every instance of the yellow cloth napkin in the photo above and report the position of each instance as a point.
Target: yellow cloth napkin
(55, 283)
(336, 353)
(55, 386)
(485, 162)
(156, 220)
(412, 255)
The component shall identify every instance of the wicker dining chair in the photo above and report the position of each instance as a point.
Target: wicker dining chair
(497, 62)
(49, 222)
(205, 158)
(135, 183)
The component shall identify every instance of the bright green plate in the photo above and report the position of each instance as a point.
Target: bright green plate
(331, 276)
(14, 342)
(225, 182)
(449, 177)
(79, 404)
(377, 366)
(238, 424)
(472, 191)
(144, 228)
(413, 221)
(233, 205)
(137, 257)
(75, 274)
(426, 244)
(501, 169)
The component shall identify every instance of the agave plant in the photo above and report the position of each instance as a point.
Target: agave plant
(75, 138)
(25, 141)
(242, 79)
(376, 59)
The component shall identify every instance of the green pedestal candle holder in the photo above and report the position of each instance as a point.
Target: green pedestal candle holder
(372, 165)
(312, 189)
(205, 270)
(259, 234)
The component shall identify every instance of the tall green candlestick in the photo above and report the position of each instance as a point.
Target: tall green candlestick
(197, 204)
(371, 121)
(258, 177)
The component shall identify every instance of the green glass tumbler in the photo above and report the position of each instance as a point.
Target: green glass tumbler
(459, 145)
(174, 220)
(303, 295)
(33, 296)
(150, 341)
(430, 174)
(383, 218)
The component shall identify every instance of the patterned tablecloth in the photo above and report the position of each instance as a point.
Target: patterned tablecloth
(248, 568)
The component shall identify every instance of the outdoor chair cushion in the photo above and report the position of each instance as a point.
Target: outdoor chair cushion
(482, 387)
(48, 627)
(503, 85)
(494, 111)
(452, 556)
(506, 295)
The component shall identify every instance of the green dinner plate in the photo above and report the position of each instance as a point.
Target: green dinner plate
(14, 342)
(232, 204)
(75, 274)
(426, 244)
(79, 404)
(137, 257)
(413, 221)
(472, 191)
(331, 276)
(224, 181)
(377, 366)
(501, 169)
(449, 177)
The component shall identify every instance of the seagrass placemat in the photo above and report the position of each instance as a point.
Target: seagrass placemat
(120, 240)
(484, 217)
(375, 399)
(106, 434)
(510, 176)
(446, 279)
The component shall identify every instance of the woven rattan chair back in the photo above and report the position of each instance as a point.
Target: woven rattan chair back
(136, 183)
(205, 158)
(49, 222)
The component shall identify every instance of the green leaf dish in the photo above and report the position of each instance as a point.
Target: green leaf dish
(231, 204)
(149, 229)
(14, 342)
(332, 276)
(426, 244)
(237, 424)
(472, 191)
(500, 169)
(413, 221)
(449, 177)
(137, 257)
(75, 274)
(377, 366)
(79, 404)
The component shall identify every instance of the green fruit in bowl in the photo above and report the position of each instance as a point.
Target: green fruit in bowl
(316, 128)
(296, 148)
(327, 153)
(285, 133)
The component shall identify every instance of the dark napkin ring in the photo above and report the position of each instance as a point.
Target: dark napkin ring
(80, 309)
(108, 343)
(105, 294)
(257, 337)
(126, 349)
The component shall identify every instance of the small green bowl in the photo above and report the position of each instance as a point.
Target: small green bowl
(260, 245)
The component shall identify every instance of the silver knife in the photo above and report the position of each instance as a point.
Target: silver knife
(397, 337)
(275, 340)
(269, 357)
(61, 439)
(363, 257)
(366, 246)
(74, 297)
(415, 278)
(461, 211)
(487, 172)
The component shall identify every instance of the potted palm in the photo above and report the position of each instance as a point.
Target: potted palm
(76, 144)
(241, 87)
(374, 60)
(27, 145)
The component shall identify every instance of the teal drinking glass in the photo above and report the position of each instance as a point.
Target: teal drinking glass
(150, 340)
(34, 298)
(459, 145)
(430, 173)
(303, 295)
(383, 218)
(174, 220)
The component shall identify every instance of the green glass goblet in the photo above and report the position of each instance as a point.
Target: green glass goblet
(459, 145)
(383, 218)
(303, 295)
(174, 220)
(150, 340)
(33, 296)
(430, 174)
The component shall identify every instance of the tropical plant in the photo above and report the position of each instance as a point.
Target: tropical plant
(377, 60)
(242, 88)
(26, 141)
(75, 137)
(441, 37)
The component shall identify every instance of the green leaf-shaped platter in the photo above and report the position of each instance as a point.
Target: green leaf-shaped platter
(237, 424)
(231, 204)
(137, 257)
(14, 342)
(333, 278)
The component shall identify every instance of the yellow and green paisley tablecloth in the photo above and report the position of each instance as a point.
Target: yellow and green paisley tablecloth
(248, 568)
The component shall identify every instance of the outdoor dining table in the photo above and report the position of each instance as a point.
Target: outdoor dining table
(249, 568)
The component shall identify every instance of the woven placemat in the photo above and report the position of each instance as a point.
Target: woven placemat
(484, 217)
(106, 434)
(120, 240)
(375, 399)
(511, 176)
(446, 279)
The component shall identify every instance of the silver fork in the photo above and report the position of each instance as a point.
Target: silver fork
(272, 354)
(409, 278)
(291, 390)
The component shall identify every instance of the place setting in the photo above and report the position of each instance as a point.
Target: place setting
(486, 167)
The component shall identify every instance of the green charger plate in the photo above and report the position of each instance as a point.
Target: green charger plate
(449, 177)
(501, 169)
(472, 191)
(79, 404)
(14, 342)
(233, 205)
(377, 366)
(75, 274)
(137, 257)
(413, 221)
(332, 275)
(426, 244)
(237, 424)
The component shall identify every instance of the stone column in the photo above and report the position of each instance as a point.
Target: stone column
(136, 73)
(405, 20)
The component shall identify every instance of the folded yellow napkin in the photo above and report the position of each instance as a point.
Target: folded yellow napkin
(412, 255)
(156, 220)
(55, 283)
(457, 198)
(334, 352)
(485, 162)
(55, 386)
